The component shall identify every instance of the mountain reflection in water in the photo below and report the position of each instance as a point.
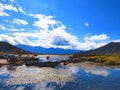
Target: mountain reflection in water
(82, 76)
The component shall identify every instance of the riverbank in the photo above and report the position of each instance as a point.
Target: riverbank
(86, 64)
(111, 60)
(3, 62)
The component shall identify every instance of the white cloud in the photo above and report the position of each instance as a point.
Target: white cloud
(19, 21)
(21, 10)
(50, 33)
(2, 13)
(4, 7)
(56, 39)
(11, 28)
(86, 24)
(93, 41)
(7, 38)
(46, 38)
(44, 22)
(100, 37)
(15, 29)
(116, 40)
(2, 27)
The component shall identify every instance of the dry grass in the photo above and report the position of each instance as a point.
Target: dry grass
(105, 59)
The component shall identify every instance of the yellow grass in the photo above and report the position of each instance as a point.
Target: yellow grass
(105, 59)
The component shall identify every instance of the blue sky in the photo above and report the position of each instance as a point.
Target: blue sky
(68, 24)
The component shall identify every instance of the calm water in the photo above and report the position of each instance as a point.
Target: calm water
(71, 77)
(42, 58)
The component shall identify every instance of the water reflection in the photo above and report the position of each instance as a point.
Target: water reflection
(98, 72)
(93, 69)
(3, 70)
(31, 75)
(81, 76)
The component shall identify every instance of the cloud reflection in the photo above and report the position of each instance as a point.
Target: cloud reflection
(98, 72)
(3, 70)
(92, 68)
(41, 76)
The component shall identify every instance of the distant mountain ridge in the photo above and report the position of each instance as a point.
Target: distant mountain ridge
(112, 48)
(6, 47)
(41, 50)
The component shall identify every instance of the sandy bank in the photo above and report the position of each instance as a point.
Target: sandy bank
(3, 62)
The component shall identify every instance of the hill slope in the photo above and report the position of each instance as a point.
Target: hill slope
(9, 48)
(108, 54)
(112, 48)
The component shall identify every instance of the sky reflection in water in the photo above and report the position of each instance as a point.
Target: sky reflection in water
(60, 78)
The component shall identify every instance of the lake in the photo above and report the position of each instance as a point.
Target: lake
(42, 58)
(80, 76)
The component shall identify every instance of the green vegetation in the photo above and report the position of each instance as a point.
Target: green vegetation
(104, 59)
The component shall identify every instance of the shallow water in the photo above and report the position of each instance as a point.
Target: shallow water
(42, 58)
(71, 77)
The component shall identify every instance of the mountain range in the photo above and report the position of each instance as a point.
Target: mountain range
(41, 50)
(112, 48)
